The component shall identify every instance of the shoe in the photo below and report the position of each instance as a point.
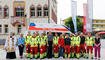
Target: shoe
(61, 57)
(95, 58)
(91, 57)
(99, 59)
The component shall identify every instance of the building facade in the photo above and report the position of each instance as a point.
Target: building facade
(98, 25)
(15, 15)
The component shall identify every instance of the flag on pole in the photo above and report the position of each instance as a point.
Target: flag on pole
(74, 13)
(84, 17)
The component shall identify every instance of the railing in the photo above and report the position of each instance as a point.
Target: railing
(19, 20)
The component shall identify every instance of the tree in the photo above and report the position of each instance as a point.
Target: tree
(69, 23)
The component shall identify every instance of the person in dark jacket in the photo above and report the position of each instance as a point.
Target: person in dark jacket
(67, 46)
(97, 46)
(82, 44)
(49, 44)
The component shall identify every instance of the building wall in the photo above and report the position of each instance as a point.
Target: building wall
(98, 25)
(27, 4)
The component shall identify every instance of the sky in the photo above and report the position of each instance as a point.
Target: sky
(64, 9)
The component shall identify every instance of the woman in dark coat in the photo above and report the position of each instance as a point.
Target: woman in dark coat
(49, 44)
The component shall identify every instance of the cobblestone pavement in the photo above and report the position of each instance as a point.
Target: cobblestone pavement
(3, 54)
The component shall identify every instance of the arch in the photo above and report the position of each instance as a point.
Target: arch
(39, 6)
(39, 10)
(5, 6)
(32, 10)
(32, 6)
(45, 6)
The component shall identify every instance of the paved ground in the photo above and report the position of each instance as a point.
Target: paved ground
(3, 54)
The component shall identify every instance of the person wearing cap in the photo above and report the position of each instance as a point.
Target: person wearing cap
(21, 41)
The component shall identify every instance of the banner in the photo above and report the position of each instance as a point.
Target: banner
(84, 17)
(74, 13)
(90, 15)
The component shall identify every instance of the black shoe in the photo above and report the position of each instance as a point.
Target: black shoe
(99, 59)
(91, 57)
(87, 57)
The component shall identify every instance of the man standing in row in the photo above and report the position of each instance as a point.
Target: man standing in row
(82, 45)
(55, 45)
(89, 44)
(27, 43)
(34, 46)
(67, 43)
(77, 45)
(72, 45)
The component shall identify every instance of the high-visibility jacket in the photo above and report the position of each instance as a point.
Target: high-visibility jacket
(72, 41)
(28, 39)
(64, 37)
(42, 41)
(89, 41)
(45, 37)
(55, 40)
(77, 40)
(38, 38)
(34, 42)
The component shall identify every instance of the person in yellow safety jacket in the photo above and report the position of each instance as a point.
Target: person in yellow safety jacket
(64, 35)
(34, 46)
(27, 44)
(72, 45)
(77, 45)
(42, 46)
(38, 38)
(55, 45)
(45, 37)
(89, 43)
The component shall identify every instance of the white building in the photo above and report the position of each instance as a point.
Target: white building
(15, 15)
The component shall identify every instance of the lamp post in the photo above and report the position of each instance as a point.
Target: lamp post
(48, 11)
(27, 21)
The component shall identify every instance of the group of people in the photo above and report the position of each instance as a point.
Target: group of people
(48, 45)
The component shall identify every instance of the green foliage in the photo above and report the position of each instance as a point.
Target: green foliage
(69, 23)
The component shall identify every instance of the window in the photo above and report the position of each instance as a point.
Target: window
(19, 28)
(39, 12)
(32, 12)
(6, 12)
(0, 28)
(45, 11)
(0, 12)
(19, 12)
(6, 28)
